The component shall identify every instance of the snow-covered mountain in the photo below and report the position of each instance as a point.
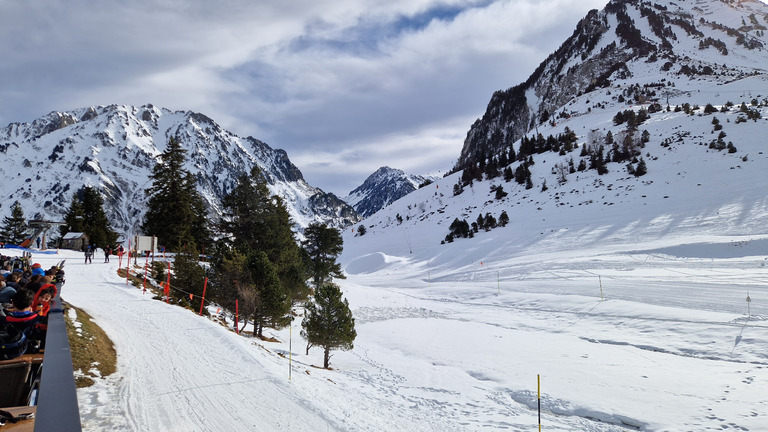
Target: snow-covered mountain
(613, 292)
(629, 53)
(115, 147)
(685, 97)
(383, 187)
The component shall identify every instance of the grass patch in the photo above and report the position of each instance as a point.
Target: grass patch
(93, 354)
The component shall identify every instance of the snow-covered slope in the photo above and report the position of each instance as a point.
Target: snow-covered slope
(639, 301)
(114, 148)
(672, 48)
(625, 295)
(383, 187)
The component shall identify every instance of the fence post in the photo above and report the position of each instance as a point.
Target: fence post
(202, 302)
(538, 380)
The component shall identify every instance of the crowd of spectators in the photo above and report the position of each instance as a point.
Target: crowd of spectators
(26, 293)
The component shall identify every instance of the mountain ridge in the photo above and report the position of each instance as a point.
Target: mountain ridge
(115, 147)
(385, 186)
(646, 34)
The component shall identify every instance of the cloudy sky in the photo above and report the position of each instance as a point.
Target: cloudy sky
(343, 86)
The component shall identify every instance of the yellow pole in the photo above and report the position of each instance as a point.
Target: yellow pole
(601, 287)
(538, 380)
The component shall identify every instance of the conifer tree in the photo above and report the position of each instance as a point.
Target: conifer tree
(323, 244)
(254, 219)
(273, 303)
(328, 322)
(14, 226)
(188, 275)
(86, 214)
(642, 168)
(74, 218)
(176, 212)
(503, 218)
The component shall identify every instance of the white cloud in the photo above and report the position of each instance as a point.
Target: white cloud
(341, 80)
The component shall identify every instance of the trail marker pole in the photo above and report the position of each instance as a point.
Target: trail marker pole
(600, 279)
(498, 282)
(237, 311)
(128, 264)
(290, 349)
(538, 381)
(202, 302)
(749, 300)
(146, 265)
(168, 283)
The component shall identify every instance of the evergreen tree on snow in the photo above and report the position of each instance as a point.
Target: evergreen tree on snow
(14, 226)
(256, 220)
(328, 322)
(176, 212)
(188, 274)
(323, 244)
(86, 214)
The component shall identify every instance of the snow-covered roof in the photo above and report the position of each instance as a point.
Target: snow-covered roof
(72, 235)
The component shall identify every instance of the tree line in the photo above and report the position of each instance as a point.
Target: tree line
(255, 257)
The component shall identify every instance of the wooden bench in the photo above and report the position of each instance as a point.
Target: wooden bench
(19, 376)
(21, 425)
(27, 358)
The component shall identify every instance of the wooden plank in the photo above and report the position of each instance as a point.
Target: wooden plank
(22, 425)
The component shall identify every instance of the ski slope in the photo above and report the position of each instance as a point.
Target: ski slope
(632, 338)
(626, 296)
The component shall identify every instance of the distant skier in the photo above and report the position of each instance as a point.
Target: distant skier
(88, 254)
(107, 253)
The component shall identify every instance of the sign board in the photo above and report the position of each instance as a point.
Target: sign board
(145, 244)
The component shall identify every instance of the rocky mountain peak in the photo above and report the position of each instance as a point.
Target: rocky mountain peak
(617, 47)
(383, 187)
(115, 148)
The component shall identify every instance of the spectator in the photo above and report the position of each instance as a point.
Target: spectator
(6, 291)
(42, 302)
(21, 315)
(12, 280)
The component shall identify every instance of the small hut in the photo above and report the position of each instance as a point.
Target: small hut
(74, 240)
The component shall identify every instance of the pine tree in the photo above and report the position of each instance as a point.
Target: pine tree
(641, 169)
(188, 275)
(86, 214)
(14, 226)
(230, 275)
(328, 322)
(176, 212)
(273, 303)
(256, 220)
(503, 219)
(323, 244)
(74, 218)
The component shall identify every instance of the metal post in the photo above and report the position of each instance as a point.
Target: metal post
(538, 380)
